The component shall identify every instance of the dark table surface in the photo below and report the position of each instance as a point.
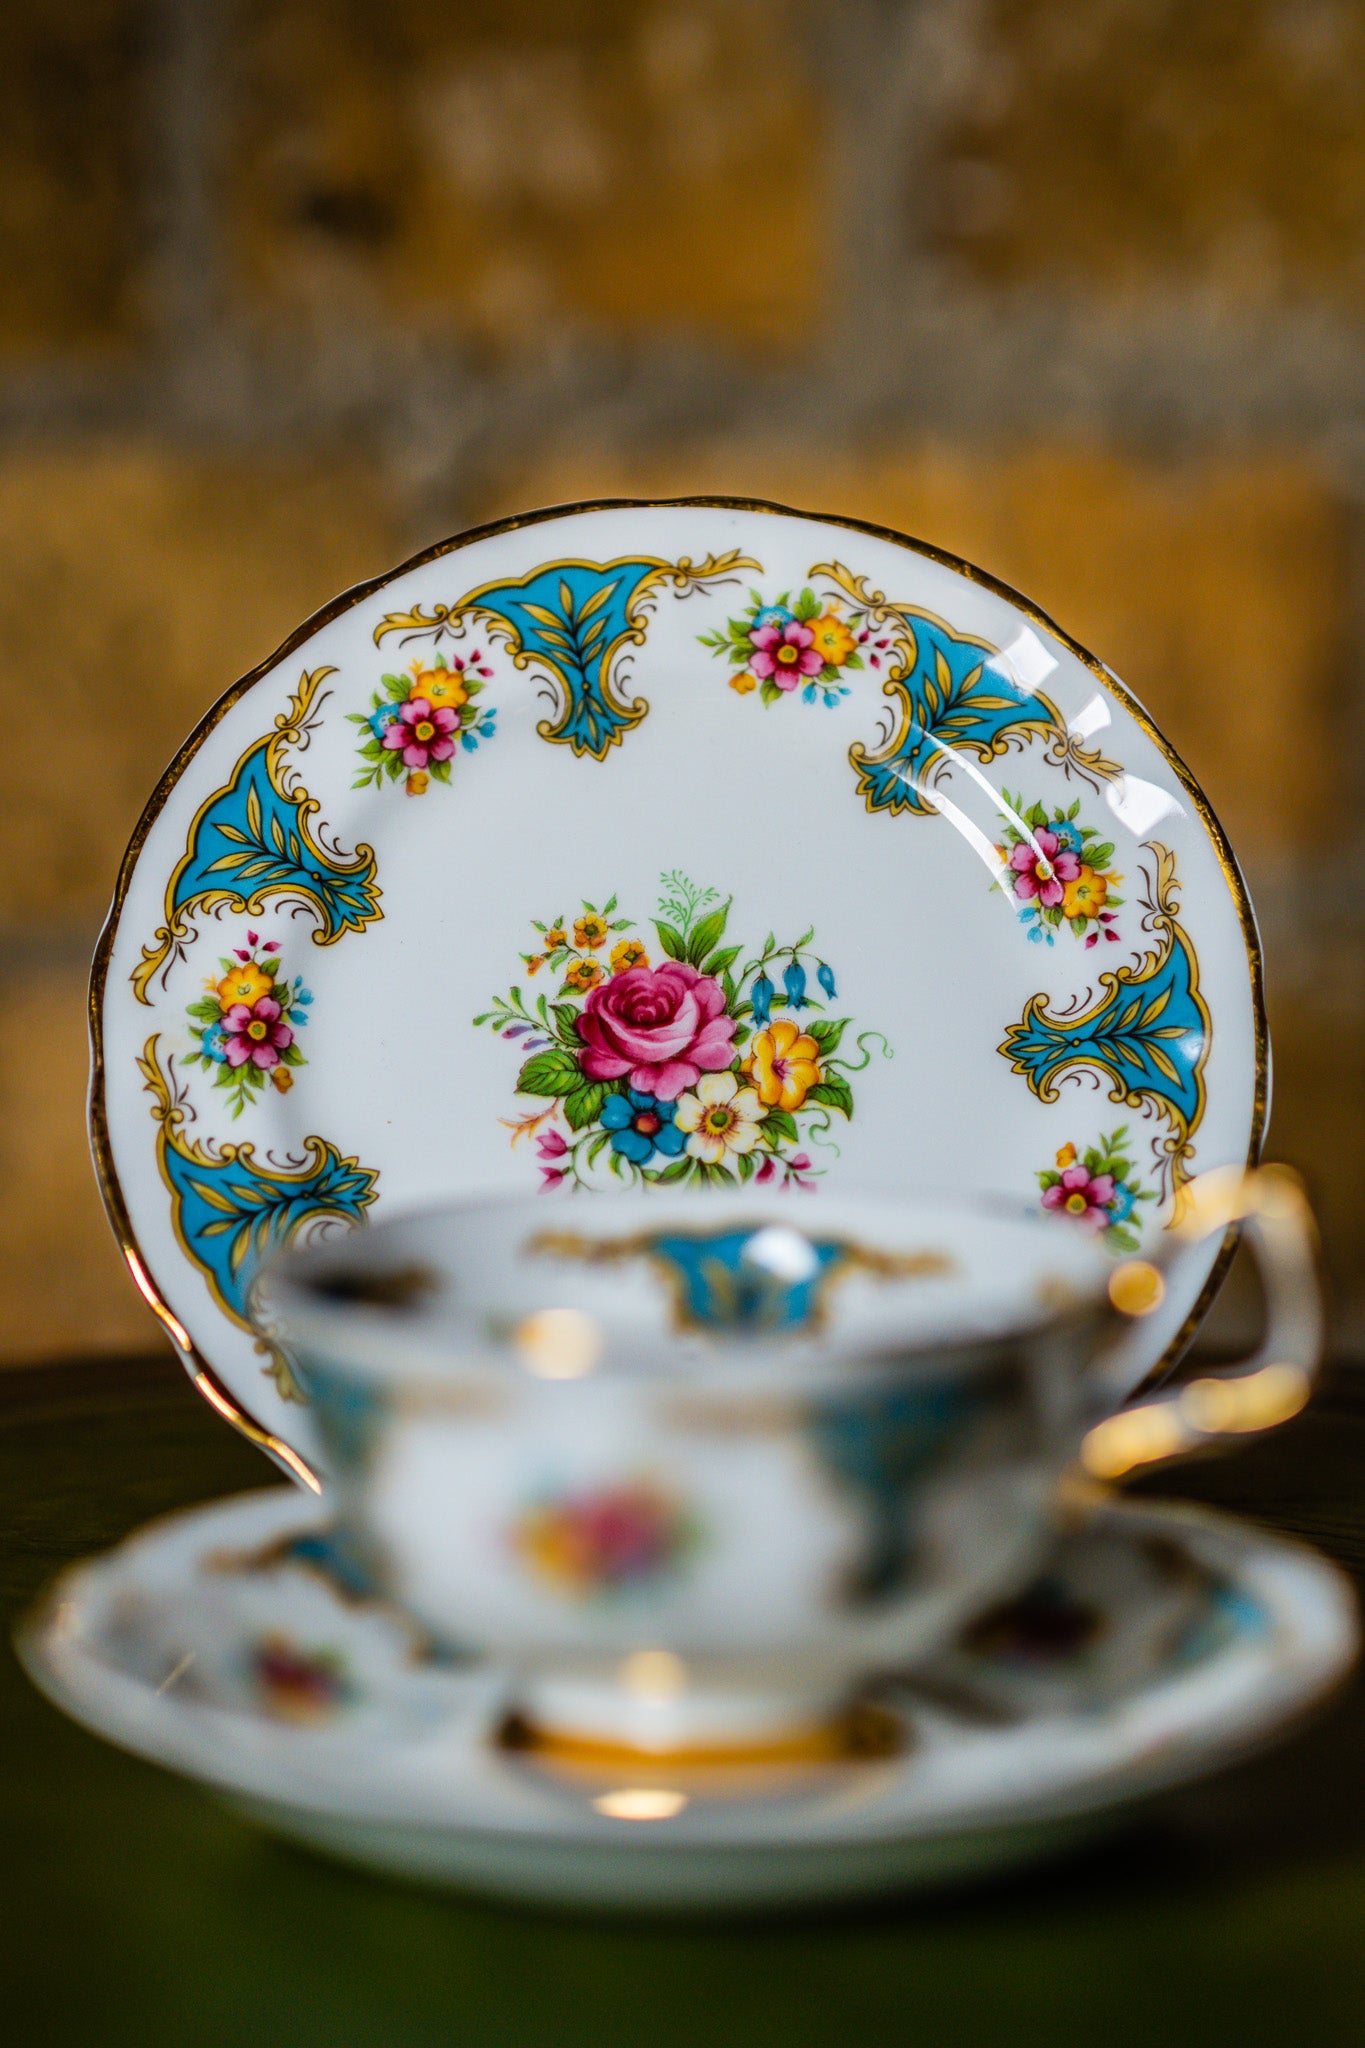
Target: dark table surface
(134, 1909)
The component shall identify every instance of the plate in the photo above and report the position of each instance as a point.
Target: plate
(694, 840)
(1159, 1643)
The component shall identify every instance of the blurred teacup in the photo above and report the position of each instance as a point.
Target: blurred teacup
(692, 1467)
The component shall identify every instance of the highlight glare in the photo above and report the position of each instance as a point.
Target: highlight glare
(558, 1343)
(641, 1802)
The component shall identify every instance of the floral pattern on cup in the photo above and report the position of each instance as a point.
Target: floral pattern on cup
(806, 644)
(246, 1024)
(1098, 1189)
(1058, 872)
(299, 1685)
(606, 1539)
(668, 1060)
(416, 722)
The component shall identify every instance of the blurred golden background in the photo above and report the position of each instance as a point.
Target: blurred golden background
(291, 288)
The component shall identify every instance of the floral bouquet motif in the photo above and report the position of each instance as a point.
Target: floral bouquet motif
(608, 1540)
(1098, 1188)
(416, 721)
(787, 646)
(1058, 872)
(682, 1071)
(246, 1025)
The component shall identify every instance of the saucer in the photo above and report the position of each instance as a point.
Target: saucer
(911, 861)
(1160, 1642)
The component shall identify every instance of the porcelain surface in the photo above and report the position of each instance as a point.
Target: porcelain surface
(698, 842)
(1158, 1642)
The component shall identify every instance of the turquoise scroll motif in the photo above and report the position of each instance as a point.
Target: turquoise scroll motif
(1148, 1035)
(572, 619)
(251, 840)
(230, 1209)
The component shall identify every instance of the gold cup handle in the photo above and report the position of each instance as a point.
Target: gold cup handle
(1271, 1385)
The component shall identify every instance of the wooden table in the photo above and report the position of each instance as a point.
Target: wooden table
(134, 1909)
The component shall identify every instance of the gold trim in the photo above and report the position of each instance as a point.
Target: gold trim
(101, 1147)
(866, 1731)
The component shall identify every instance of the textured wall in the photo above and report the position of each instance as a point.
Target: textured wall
(289, 288)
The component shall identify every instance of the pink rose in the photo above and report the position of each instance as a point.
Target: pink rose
(660, 1026)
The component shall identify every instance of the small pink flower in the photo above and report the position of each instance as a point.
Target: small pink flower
(550, 1145)
(1078, 1194)
(257, 1034)
(422, 734)
(550, 1177)
(1041, 871)
(784, 655)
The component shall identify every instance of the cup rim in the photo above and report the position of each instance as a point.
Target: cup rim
(296, 1299)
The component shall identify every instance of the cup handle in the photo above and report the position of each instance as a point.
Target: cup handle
(1271, 1385)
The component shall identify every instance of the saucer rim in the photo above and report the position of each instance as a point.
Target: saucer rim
(117, 1706)
(201, 1372)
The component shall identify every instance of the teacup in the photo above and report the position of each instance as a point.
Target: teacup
(692, 1467)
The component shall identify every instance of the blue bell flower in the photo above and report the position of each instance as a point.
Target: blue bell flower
(761, 996)
(794, 981)
(824, 974)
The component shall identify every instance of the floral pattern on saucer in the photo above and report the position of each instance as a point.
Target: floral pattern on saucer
(416, 722)
(1059, 872)
(668, 1062)
(246, 1024)
(1098, 1189)
(804, 644)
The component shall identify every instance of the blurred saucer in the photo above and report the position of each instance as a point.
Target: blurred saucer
(1160, 1642)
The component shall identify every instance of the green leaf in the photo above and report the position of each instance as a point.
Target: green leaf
(552, 1072)
(679, 1170)
(583, 1105)
(826, 1031)
(769, 692)
(720, 962)
(781, 1124)
(807, 606)
(704, 936)
(1100, 856)
(834, 1092)
(566, 1022)
(853, 661)
(671, 940)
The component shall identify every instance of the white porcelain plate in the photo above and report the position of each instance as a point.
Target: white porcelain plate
(1159, 1642)
(658, 842)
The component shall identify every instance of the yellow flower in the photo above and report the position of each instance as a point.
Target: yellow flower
(833, 642)
(1085, 897)
(785, 1065)
(282, 1078)
(743, 682)
(556, 936)
(443, 688)
(590, 931)
(720, 1117)
(246, 984)
(630, 953)
(418, 782)
(583, 974)
(534, 962)
(1066, 1157)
